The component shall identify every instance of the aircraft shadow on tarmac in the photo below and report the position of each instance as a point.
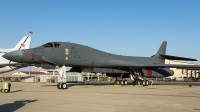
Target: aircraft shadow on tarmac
(86, 83)
(11, 107)
(15, 91)
(190, 84)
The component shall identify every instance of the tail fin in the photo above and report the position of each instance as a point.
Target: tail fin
(24, 43)
(162, 49)
(161, 54)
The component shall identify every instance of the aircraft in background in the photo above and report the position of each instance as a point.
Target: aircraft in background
(7, 65)
(86, 59)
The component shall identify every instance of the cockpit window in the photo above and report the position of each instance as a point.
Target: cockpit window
(57, 45)
(48, 45)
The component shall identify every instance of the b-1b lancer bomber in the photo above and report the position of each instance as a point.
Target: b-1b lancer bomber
(86, 59)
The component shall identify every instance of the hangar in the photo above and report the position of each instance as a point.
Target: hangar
(183, 73)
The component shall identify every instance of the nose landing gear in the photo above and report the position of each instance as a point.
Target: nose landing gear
(6, 87)
(62, 73)
(62, 85)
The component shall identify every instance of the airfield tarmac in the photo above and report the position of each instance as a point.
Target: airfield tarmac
(45, 97)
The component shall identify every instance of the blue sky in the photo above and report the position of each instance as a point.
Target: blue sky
(127, 27)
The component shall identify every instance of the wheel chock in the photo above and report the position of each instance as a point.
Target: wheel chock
(151, 86)
(117, 85)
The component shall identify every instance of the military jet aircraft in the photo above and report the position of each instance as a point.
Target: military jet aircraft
(86, 59)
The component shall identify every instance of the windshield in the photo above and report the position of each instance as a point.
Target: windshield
(56, 45)
(48, 45)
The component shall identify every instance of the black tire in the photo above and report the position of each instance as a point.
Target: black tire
(9, 87)
(117, 82)
(5, 90)
(59, 85)
(144, 82)
(147, 83)
(125, 82)
(64, 86)
(122, 82)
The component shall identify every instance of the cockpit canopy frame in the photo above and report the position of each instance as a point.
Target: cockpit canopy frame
(52, 45)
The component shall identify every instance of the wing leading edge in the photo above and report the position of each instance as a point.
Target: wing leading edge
(171, 66)
(170, 57)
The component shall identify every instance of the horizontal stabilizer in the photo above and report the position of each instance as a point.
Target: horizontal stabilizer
(177, 58)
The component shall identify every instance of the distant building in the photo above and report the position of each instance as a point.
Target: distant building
(31, 73)
(182, 72)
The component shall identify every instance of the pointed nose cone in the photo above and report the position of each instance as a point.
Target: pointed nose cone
(15, 56)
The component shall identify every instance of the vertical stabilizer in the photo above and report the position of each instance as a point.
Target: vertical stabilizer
(162, 49)
(24, 43)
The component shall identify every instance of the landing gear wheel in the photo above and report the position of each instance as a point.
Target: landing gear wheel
(9, 86)
(125, 82)
(144, 83)
(147, 83)
(59, 85)
(122, 82)
(117, 82)
(5, 90)
(64, 86)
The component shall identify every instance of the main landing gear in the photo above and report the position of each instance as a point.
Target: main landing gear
(62, 85)
(120, 80)
(137, 77)
(142, 82)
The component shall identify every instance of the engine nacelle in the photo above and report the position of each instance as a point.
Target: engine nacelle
(157, 72)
